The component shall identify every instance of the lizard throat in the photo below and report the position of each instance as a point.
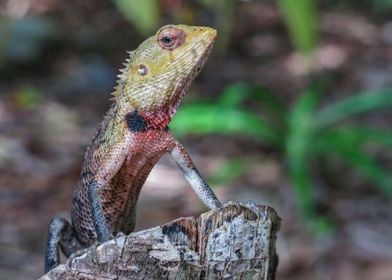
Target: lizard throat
(158, 119)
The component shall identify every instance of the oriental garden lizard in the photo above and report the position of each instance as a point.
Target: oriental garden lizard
(132, 137)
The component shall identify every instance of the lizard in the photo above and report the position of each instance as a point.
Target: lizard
(132, 137)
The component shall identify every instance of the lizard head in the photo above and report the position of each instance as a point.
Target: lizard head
(161, 69)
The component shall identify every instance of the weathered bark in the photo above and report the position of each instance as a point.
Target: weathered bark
(234, 242)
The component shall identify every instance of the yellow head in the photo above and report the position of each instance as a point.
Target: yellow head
(162, 68)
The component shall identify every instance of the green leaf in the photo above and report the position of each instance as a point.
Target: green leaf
(300, 18)
(233, 95)
(269, 101)
(236, 93)
(359, 136)
(342, 145)
(299, 139)
(300, 122)
(270, 105)
(204, 118)
(370, 169)
(144, 15)
(362, 103)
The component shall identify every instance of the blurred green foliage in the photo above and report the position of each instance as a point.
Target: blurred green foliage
(300, 18)
(27, 97)
(213, 117)
(144, 15)
(227, 171)
(305, 133)
(382, 4)
(299, 138)
(224, 20)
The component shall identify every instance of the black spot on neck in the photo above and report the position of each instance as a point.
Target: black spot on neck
(135, 122)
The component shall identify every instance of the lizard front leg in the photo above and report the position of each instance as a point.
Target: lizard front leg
(107, 170)
(61, 234)
(192, 175)
(98, 217)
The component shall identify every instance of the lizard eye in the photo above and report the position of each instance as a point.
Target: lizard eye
(167, 40)
(170, 38)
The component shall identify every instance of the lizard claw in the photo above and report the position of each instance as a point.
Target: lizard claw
(118, 239)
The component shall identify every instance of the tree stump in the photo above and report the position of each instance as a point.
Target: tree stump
(236, 241)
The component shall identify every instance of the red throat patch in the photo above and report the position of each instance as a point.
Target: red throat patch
(158, 119)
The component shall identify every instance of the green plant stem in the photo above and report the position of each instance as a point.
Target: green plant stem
(298, 142)
(300, 17)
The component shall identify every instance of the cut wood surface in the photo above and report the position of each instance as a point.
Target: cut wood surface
(236, 241)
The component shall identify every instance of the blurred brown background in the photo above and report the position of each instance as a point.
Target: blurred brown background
(293, 110)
